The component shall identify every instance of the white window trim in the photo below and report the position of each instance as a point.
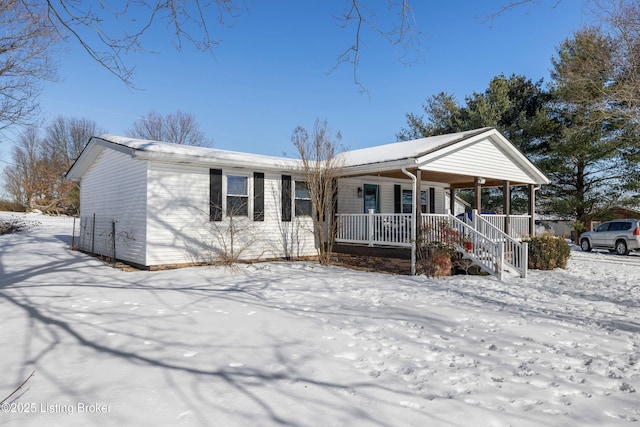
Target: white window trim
(422, 190)
(294, 198)
(249, 177)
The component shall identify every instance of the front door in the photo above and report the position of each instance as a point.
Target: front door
(371, 198)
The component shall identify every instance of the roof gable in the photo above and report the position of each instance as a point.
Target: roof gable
(481, 152)
(406, 149)
(487, 155)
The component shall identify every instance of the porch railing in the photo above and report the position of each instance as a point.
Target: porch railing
(485, 252)
(374, 229)
(477, 239)
(515, 252)
(518, 224)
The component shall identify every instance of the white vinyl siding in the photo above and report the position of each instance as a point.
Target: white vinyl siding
(441, 205)
(180, 231)
(284, 239)
(178, 214)
(483, 158)
(114, 189)
(350, 203)
(348, 200)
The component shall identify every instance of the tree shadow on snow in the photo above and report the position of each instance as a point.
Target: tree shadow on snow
(57, 326)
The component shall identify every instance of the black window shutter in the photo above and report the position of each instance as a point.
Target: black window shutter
(286, 197)
(334, 196)
(397, 198)
(258, 196)
(432, 200)
(215, 194)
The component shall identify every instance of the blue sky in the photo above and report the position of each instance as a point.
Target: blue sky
(269, 74)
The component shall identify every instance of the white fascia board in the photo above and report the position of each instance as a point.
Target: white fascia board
(240, 163)
(372, 168)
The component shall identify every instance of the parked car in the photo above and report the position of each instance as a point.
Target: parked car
(619, 236)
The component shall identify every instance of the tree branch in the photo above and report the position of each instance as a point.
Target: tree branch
(19, 387)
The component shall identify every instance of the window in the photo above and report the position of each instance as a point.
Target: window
(237, 195)
(407, 201)
(302, 199)
(619, 226)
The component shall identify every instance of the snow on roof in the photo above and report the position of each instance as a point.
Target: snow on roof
(383, 156)
(406, 149)
(379, 154)
(178, 152)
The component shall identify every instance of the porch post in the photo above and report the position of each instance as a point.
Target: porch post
(413, 214)
(532, 210)
(452, 201)
(478, 194)
(417, 201)
(506, 206)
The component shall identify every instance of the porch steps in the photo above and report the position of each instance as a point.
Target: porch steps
(491, 249)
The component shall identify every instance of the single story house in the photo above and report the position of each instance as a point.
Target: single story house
(153, 204)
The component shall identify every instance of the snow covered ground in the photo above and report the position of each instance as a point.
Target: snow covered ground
(296, 344)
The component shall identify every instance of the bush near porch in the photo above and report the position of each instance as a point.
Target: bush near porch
(547, 252)
(434, 259)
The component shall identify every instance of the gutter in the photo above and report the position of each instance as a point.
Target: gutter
(374, 168)
(240, 163)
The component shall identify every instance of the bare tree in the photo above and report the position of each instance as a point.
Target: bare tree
(514, 4)
(66, 137)
(622, 23)
(402, 34)
(322, 165)
(178, 128)
(36, 177)
(26, 42)
(20, 177)
(109, 31)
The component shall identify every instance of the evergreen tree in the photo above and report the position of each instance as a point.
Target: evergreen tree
(588, 161)
(514, 105)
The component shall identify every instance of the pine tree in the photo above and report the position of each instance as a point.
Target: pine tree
(587, 160)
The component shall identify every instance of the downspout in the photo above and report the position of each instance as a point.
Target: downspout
(414, 218)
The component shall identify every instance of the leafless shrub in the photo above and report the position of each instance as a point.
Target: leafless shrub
(322, 165)
(232, 237)
(16, 225)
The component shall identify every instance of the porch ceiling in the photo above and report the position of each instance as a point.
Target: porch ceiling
(453, 180)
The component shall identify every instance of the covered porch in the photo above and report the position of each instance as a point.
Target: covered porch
(409, 195)
(381, 229)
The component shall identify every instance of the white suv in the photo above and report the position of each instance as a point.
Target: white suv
(619, 236)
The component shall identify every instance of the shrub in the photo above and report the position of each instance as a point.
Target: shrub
(434, 259)
(547, 252)
(14, 225)
(9, 206)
